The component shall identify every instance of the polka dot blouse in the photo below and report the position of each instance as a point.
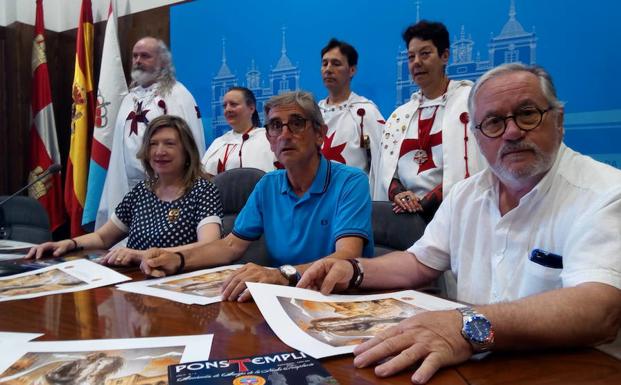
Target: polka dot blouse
(151, 222)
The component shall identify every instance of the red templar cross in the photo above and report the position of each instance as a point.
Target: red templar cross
(137, 116)
(333, 153)
(413, 144)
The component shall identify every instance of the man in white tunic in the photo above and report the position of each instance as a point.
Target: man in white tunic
(354, 122)
(425, 147)
(154, 92)
(533, 241)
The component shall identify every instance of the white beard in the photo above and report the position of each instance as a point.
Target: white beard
(142, 77)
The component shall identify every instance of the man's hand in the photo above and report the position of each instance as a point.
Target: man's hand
(234, 287)
(432, 339)
(327, 275)
(123, 257)
(55, 249)
(159, 263)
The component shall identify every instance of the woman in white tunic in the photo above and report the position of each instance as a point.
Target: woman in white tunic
(245, 145)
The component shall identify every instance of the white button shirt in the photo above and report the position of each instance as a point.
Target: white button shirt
(574, 212)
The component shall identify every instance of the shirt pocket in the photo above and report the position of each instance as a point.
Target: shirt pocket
(540, 278)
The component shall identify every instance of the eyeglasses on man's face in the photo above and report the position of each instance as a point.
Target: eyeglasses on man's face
(296, 125)
(526, 118)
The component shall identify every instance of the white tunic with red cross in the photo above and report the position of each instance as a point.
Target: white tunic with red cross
(420, 157)
(235, 150)
(452, 151)
(350, 125)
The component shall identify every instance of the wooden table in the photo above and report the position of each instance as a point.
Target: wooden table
(240, 330)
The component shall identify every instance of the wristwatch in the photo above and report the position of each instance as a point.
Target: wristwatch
(476, 329)
(291, 273)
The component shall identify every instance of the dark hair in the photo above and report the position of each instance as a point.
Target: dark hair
(346, 49)
(428, 30)
(193, 166)
(250, 100)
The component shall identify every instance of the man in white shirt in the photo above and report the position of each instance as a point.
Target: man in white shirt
(154, 91)
(354, 122)
(533, 241)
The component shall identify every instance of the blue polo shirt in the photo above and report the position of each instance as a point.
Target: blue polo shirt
(304, 229)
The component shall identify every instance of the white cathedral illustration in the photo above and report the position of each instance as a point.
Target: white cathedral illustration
(513, 44)
(282, 78)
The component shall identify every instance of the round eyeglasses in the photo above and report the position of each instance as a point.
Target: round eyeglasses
(296, 125)
(526, 119)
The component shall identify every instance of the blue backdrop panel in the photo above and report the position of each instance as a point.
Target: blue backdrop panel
(273, 46)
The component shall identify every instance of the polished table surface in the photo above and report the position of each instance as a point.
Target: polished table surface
(240, 330)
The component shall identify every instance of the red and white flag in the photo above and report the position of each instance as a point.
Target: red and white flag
(43, 140)
(111, 90)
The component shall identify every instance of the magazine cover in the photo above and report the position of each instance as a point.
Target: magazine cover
(294, 368)
(200, 287)
(323, 326)
(106, 361)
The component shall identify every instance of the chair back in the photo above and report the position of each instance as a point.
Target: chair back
(235, 186)
(24, 219)
(394, 231)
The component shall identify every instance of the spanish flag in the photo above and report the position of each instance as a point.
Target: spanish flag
(82, 120)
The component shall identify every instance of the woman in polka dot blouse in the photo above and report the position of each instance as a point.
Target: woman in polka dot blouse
(175, 207)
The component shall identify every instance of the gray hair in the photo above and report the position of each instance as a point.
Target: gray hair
(545, 82)
(166, 78)
(304, 100)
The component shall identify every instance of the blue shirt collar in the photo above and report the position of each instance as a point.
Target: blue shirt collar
(320, 183)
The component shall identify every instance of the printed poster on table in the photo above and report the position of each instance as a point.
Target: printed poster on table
(11, 338)
(294, 368)
(62, 278)
(106, 361)
(200, 287)
(324, 326)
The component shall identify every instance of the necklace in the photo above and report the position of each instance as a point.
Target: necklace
(164, 194)
(173, 214)
(144, 96)
(421, 155)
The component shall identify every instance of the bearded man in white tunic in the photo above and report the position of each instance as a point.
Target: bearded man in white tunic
(354, 122)
(154, 92)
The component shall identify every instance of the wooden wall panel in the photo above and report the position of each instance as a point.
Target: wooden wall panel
(4, 158)
(16, 81)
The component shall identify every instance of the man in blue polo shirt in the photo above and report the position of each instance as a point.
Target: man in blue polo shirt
(312, 209)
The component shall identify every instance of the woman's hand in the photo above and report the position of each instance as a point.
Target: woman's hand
(123, 257)
(406, 201)
(51, 249)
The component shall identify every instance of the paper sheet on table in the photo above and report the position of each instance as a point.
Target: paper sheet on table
(62, 278)
(15, 246)
(323, 326)
(7, 338)
(200, 287)
(101, 361)
(9, 256)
